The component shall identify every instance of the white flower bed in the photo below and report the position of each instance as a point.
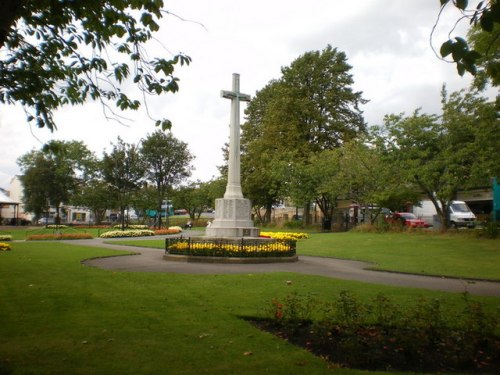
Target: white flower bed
(127, 233)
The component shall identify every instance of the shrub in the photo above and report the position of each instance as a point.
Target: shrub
(380, 335)
(4, 246)
(297, 224)
(61, 236)
(490, 229)
(5, 237)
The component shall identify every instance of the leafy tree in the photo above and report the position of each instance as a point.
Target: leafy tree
(318, 179)
(486, 16)
(442, 155)
(261, 154)
(96, 196)
(319, 102)
(167, 162)
(195, 198)
(488, 65)
(371, 180)
(214, 189)
(122, 171)
(144, 200)
(310, 109)
(55, 174)
(36, 180)
(67, 52)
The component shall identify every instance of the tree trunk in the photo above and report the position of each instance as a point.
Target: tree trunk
(307, 213)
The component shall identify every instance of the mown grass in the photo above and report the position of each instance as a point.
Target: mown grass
(61, 317)
(452, 255)
(449, 255)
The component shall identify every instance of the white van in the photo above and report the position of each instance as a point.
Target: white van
(460, 214)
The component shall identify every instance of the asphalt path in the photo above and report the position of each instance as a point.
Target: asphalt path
(151, 260)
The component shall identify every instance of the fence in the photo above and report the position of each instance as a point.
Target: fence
(223, 247)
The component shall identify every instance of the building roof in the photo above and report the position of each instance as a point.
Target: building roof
(4, 199)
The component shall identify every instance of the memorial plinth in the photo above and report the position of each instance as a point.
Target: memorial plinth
(232, 219)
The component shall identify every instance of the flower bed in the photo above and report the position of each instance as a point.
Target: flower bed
(61, 236)
(284, 236)
(129, 227)
(5, 237)
(4, 246)
(241, 248)
(56, 226)
(127, 233)
(170, 230)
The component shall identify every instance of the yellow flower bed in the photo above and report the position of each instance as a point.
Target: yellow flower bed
(230, 248)
(5, 237)
(221, 248)
(284, 236)
(4, 246)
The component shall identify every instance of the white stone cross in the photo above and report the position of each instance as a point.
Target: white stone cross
(233, 188)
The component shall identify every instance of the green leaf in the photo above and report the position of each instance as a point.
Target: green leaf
(460, 69)
(487, 22)
(446, 48)
(165, 124)
(462, 43)
(462, 4)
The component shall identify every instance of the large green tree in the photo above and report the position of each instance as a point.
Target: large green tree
(167, 161)
(55, 53)
(55, 174)
(310, 109)
(442, 155)
(123, 171)
(373, 181)
(97, 197)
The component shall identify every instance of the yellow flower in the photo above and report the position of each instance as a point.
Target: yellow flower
(4, 246)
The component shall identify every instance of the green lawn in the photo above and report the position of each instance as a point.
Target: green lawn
(420, 253)
(60, 317)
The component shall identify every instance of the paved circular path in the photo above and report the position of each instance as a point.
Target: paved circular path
(151, 260)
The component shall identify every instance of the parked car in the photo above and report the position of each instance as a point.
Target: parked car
(46, 220)
(407, 219)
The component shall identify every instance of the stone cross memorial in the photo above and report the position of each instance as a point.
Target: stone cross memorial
(233, 212)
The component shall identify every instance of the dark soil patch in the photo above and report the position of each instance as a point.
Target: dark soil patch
(392, 348)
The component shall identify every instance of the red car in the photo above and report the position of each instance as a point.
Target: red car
(407, 219)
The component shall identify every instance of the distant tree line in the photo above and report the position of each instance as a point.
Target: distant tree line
(138, 176)
(305, 138)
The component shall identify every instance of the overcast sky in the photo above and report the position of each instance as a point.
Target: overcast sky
(386, 43)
